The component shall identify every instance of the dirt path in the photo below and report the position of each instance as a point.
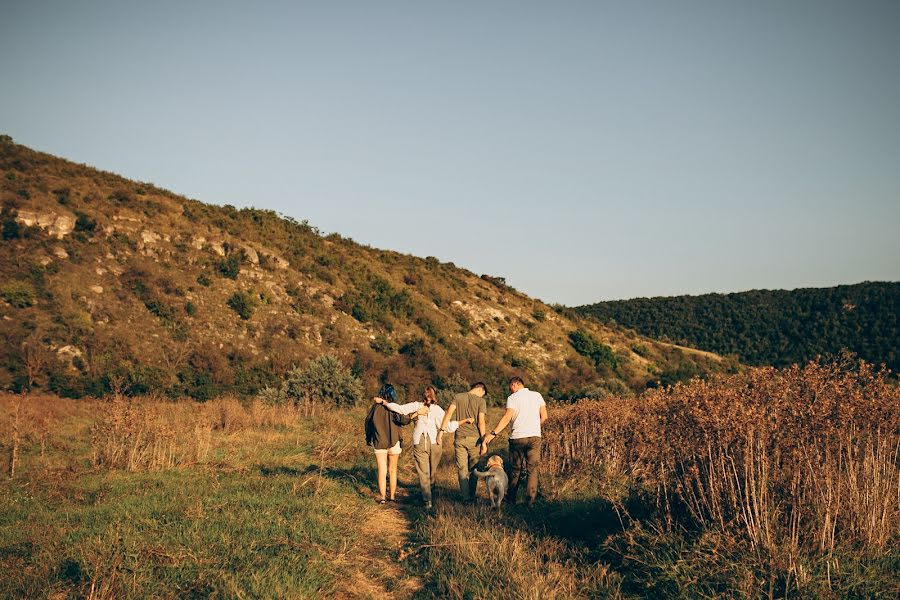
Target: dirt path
(377, 571)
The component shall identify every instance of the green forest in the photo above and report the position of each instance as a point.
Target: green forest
(771, 327)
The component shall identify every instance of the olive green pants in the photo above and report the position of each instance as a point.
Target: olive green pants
(427, 457)
(468, 453)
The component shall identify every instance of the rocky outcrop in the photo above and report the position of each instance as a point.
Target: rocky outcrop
(56, 224)
(279, 262)
(217, 246)
(149, 237)
(250, 254)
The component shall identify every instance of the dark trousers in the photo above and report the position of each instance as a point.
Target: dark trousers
(524, 456)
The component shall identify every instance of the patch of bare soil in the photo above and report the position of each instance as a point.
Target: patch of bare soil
(377, 571)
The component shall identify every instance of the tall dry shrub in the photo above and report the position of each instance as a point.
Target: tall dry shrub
(595, 435)
(145, 434)
(136, 435)
(801, 461)
(26, 422)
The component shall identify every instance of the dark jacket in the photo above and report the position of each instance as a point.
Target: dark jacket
(383, 427)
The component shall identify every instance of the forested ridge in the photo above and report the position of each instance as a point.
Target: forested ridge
(771, 327)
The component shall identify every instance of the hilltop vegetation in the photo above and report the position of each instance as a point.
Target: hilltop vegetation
(117, 286)
(774, 327)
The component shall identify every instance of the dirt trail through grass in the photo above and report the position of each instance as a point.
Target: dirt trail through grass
(377, 571)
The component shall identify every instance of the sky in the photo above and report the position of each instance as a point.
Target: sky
(586, 151)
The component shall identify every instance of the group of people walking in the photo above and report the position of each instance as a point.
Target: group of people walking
(467, 418)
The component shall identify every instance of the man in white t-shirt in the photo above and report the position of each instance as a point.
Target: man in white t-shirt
(526, 411)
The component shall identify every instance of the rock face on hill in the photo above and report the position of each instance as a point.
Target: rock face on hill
(116, 284)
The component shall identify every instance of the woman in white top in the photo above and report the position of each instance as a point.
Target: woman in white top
(427, 451)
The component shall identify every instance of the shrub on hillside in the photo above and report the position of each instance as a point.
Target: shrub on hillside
(601, 354)
(18, 294)
(242, 303)
(324, 381)
(230, 266)
(374, 300)
(11, 229)
(84, 223)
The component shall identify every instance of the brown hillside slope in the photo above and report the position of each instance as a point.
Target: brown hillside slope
(110, 283)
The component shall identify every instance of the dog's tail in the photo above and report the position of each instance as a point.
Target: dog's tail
(483, 474)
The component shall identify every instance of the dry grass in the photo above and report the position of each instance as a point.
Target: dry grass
(151, 435)
(801, 464)
(475, 554)
(141, 498)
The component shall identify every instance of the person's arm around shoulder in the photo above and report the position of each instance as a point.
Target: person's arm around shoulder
(403, 409)
(454, 425)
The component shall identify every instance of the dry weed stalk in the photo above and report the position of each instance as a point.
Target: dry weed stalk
(147, 434)
(134, 436)
(803, 460)
(16, 439)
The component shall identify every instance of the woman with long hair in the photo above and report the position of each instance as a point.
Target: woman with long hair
(426, 449)
(383, 435)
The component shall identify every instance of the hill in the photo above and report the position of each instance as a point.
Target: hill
(771, 327)
(116, 285)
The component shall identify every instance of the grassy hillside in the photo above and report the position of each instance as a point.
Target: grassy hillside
(111, 285)
(772, 327)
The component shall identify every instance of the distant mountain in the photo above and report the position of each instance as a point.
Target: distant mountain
(115, 284)
(771, 327)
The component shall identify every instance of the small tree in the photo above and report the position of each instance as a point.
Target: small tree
(242, 303)
(324, 380)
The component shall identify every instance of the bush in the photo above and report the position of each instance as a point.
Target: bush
(230, 266)
(84, 223)
(383, 345)
(11, 229)
(324, 380)
(585, 345)
(18, 294)
(374, 300)
(641, 350)
(243, 304)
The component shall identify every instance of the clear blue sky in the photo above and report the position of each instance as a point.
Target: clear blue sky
(583, 150)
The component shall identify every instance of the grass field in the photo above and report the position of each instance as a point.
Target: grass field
(138, 499)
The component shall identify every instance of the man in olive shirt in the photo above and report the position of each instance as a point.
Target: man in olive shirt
(468, 437)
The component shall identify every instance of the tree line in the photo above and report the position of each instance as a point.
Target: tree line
(771, 327)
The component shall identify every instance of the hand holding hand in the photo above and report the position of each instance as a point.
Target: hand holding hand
(378, 400)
